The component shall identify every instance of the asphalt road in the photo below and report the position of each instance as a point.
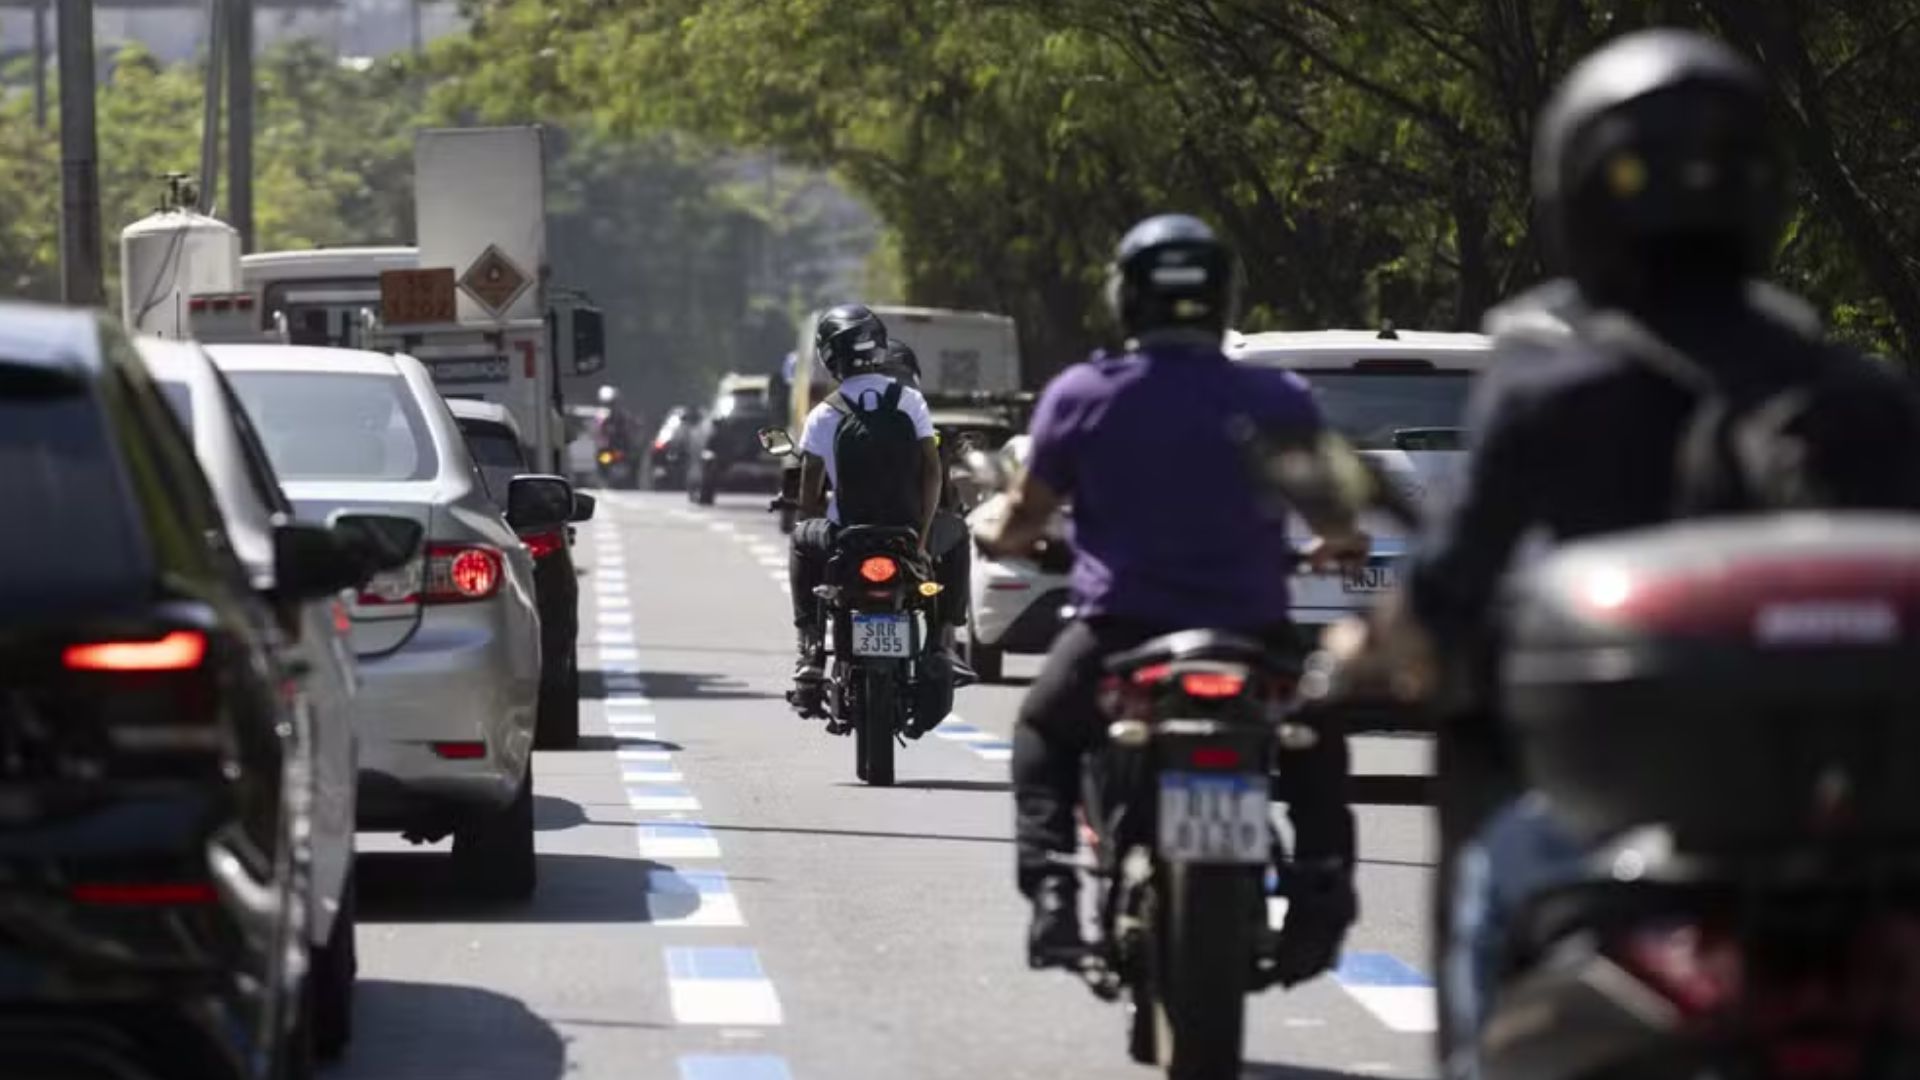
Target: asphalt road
(719, 900)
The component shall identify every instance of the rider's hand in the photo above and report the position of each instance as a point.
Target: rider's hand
(1384, 652)
(1346, 550)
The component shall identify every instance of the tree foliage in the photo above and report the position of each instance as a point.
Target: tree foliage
(1369, 157)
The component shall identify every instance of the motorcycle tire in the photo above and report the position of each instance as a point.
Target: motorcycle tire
(1204, 965)
(873, 730)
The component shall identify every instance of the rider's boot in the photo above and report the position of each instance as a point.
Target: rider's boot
(963, 673)
(1053, 938)
(809, 678)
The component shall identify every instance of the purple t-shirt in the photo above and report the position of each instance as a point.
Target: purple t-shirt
(1166, 528)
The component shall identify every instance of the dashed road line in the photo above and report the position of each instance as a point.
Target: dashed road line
(721, 986)
(691, 898)
(1397, 994)
(733, 1067)
(676, 840)
(985, 744)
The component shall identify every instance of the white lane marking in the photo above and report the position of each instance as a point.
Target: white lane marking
(763, 549)
(630, 655)
(661, 799)
(676, 840)
(1397, 994)
(629, 700)
(779, 577)
(614, 637)
(774, 562)
(721, 987)
(721, 526)
(615, 618)
(969, 735)
(631, 754)
(995, 753)
(655, 774)
(616, 603)
(691, 898)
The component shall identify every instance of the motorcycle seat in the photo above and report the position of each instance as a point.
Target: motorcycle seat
(876, 537)
(1217, 646)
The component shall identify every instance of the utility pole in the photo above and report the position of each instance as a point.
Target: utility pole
(240, 119)
(413, 24)
(40, 64)
(210, 108)
(80, 275)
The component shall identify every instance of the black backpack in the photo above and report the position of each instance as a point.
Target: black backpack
(1743, 449)
(876, 461)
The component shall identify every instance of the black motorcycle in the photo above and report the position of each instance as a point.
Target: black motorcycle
(1179, 810)
(877, 606)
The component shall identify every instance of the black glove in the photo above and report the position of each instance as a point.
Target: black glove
(1321, 905)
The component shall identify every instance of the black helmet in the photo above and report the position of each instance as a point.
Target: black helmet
(902, 364)
(850, 339)
(1657, 154)
(1170, 272)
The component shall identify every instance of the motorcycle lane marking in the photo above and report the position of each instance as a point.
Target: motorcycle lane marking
(733, 1067)
(695, 898)
(721, 986)
(1394, 992)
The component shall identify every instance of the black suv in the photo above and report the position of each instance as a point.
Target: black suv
(152, 874)
(493, 440)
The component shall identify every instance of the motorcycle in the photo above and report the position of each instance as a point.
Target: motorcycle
(1184, 853)
(877, 610)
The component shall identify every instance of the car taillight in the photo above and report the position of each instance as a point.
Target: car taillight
(1213, 684)
(1214, 757)
(878, 568)
(144, 893)
(543, 544)
(460, 751)
(660, 443)
(460, 573)
(1698, 970)
(181, 650)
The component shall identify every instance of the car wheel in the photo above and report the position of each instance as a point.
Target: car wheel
(330, 978)
(493, 857)
(559, 727)
(985, 660)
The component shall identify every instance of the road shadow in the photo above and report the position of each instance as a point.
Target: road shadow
(429, 1031)
(1264, 1070)
(554, 814)
(672, 685)
(605, 743)
(408, 887)
(944, 785)
(859, 834)
(1015, 682)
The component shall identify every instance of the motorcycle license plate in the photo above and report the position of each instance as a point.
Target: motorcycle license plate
(1214, 818)
(1371, 579)
(881, 635)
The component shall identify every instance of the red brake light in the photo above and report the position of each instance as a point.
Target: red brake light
(1215, 757)
(177, 651)
(243, 301)
(458, 573)
(1694, 968)
(460, 751)
(1213, 684)
(660, 443)
(196, 303)
(144, 894)
(543, 544)
(1151, 674)
(878, 569)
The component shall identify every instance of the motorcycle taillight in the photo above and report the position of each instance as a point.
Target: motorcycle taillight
(1699, 969)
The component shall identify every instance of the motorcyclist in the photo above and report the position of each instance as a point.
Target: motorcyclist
(948, 539)
(1169, 534)
(852, 342)
(1661, 183)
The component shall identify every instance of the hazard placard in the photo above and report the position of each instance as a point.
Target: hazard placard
(417, 296)
(494, 280)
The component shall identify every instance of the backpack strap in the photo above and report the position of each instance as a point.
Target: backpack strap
(891, 399)
(837, 401)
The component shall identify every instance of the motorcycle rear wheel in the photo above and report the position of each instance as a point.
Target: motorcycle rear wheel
(874, 726)
(1203, 968)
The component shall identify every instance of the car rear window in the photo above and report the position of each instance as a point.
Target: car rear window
(496, 453)
(57, 472)
(1394, 410)
(180, 398)
(338, 425)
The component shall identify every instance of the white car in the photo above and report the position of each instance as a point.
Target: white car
(250, 499)
(1400, 396)
(449, 645)
(1016, 604)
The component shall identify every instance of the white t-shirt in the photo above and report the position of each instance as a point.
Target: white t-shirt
(823, 423)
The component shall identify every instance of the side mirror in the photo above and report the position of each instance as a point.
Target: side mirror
(583, 506)
(775, 441)
(310, 562)
(539, 502)
(380, 541)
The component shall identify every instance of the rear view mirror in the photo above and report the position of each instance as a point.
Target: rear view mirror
(539, 502)
(775, 441)
(309, 562)
(583, 506)
(380, 541)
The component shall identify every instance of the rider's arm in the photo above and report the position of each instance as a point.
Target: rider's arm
(931, 478)
(1030, 510)
(813, 486)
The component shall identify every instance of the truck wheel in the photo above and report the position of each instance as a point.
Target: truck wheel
(493, 857)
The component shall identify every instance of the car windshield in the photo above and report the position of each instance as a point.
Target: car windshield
(1394, 410)
(338, 425)
(496, 453)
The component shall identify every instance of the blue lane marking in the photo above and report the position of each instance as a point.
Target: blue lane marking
(952, 728)
(1378, 969)
(675, 832)
(704, 882)
(713, 963)
(733, 1067)
(996, 745)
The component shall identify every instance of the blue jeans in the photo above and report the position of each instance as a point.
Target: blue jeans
(1520, 851)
